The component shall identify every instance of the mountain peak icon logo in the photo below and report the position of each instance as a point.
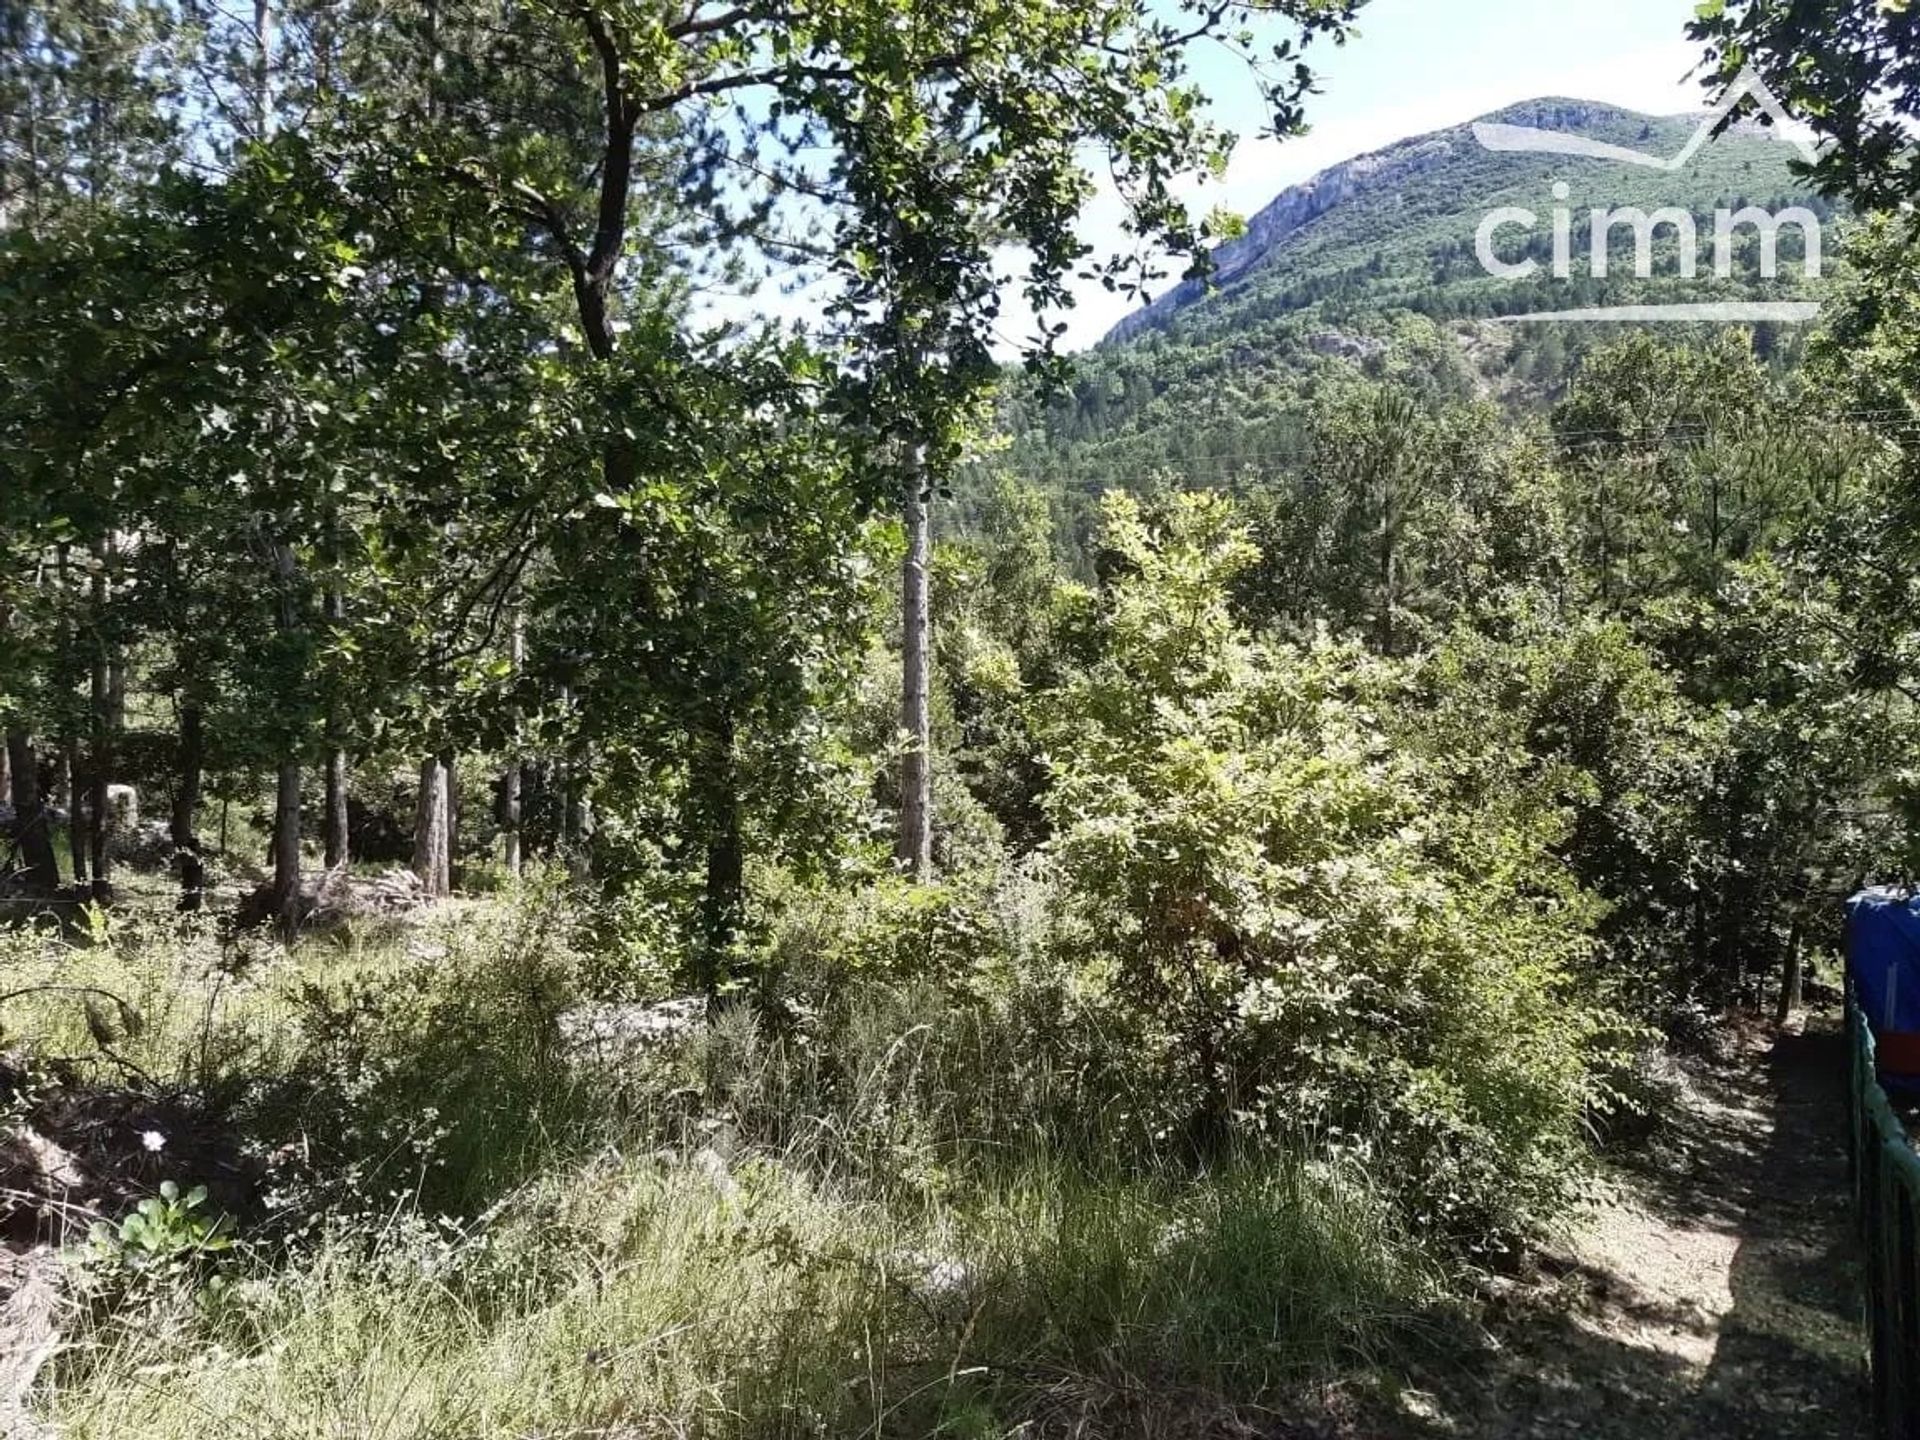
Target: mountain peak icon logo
(1528, 139)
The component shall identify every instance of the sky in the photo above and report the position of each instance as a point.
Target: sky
(1413, 66)
(1416, 66)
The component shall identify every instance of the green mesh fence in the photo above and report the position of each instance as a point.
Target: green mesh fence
(1886, 1197)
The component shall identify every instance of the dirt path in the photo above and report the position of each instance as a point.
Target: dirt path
(1710, 1293)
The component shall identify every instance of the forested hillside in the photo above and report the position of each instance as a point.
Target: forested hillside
(585, 855)
(1371, 267)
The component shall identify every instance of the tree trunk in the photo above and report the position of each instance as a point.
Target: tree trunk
(510, 808)
(334, 827)
(337, 850)
(1791, 980)
(563, 790)
(431, 88)
(66, 784)
(262, 70)
(286, 846)
(73, 784)
(186, 806)
(580, 827)
(6, 777)
(286, 810)
(914, 846)
(512, 781)
(722, 898)
(40, 871)
(430, 845)
(449, 764)
(99, 820)
(117, 692)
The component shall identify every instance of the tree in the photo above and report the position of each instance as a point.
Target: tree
(1375, 450)
(40, 871)
(950, 132)
(85, 110)
(1848, 68)
(412, 351)
(1266, 890)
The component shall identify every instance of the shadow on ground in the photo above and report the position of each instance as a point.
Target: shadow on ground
(1720, 1300)
(1788, 1364)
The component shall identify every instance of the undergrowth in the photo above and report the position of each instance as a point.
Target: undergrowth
(910, 1217)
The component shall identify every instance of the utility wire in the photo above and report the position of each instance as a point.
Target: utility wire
(1883, 422)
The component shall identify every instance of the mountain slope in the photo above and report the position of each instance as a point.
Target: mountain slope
(1372, 265)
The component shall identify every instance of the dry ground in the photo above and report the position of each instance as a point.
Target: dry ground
(1710, 1289)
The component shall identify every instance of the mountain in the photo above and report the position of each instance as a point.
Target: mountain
(1372, 266)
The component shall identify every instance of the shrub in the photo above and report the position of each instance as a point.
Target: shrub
(1277, 907)
(438, 1075)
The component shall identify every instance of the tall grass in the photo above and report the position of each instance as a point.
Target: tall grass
(643, 1296)
(912, 1221)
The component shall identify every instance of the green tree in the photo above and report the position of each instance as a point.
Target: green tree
(1298, 921)
(1849, 68)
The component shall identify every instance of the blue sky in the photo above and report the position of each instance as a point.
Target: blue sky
(1420, 65)
(1414, 66)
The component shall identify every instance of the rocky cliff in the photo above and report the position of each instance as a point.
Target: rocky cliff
(1378, 176)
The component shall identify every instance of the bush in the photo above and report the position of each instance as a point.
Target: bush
(1278, 909)
(438, 1075)
(926, 1206)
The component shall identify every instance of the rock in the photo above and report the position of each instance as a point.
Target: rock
(617, 1033)
(29, 1336)
(123, 809)
(710, 1165)
(1346, 347)
(1293, 209)
(943, 1285)
(1426, 1409)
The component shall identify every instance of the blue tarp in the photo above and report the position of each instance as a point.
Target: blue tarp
(1883, 957)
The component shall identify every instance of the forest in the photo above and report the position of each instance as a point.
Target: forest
(621, 819)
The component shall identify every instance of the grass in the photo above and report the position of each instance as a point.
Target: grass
(906, 1226)
(162, 987)
(649, 1295)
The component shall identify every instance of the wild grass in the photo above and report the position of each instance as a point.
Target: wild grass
(155, 998)
(909, 1222)
(649, 1295)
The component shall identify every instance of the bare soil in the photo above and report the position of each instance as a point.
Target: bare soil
(1709, 1291)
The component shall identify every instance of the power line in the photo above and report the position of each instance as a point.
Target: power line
(1886, 422)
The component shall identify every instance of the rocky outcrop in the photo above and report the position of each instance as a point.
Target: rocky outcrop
(620, 1034)
(1339, 346)
(1292, 211)
(1387, 171)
